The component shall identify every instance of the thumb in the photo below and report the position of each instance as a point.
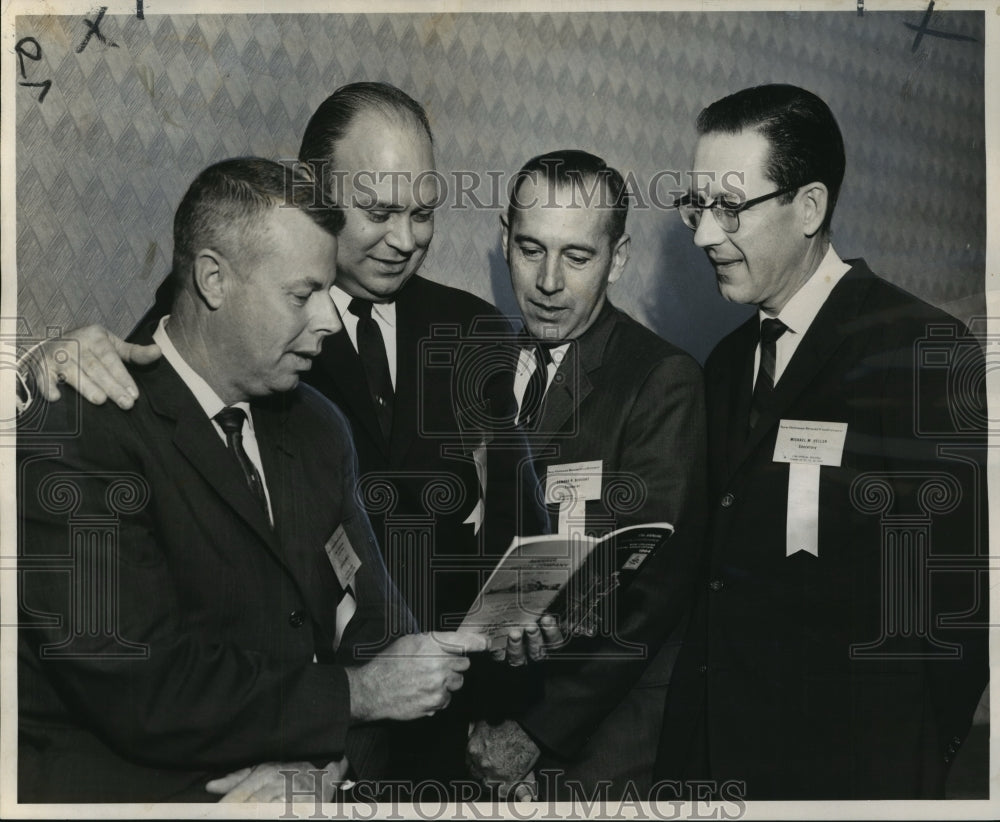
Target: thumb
(225, 784)
(136, 354)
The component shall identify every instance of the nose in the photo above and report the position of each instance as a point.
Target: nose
(400, 236)
(549, 279)
(709, 232)
(326, 319)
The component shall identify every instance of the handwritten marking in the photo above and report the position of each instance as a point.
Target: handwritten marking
(21, 48)
(94, 29)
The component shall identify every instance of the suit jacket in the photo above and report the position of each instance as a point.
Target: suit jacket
(168, 632)
(854, 673)
(626, 397)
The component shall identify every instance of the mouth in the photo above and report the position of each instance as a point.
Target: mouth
(391, 266)
(304, 359)
(546, 311)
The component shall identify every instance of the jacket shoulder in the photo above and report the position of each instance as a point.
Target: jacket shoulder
(631, 341)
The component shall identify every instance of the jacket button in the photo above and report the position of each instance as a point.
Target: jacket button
(702, 669)
(956, 741)
(296, 619)
(716, 585)
(728, 500)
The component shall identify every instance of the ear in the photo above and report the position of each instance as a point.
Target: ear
(211, 273)
(504, 235)
(813, 198)
(619, 257)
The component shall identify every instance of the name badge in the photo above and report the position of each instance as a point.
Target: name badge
(806, 445)
(570, 485)
(804, 442)
(342, 557)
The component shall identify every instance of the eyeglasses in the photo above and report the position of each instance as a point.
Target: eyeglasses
(726, 214)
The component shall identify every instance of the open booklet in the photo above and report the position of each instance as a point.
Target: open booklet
(568, 575)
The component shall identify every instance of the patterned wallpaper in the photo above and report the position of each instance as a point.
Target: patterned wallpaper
(133, 112)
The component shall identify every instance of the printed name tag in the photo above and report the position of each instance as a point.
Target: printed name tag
(806, 445)
(574, 481)
(342, 557)
(806, 442)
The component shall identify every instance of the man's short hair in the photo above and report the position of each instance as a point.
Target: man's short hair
(336, 113)
(581, 170)
(226, 204)
(805, 140)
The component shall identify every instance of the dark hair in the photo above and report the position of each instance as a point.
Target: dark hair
(224, 206)
(574, 167)
(333, 118)
(805, 142)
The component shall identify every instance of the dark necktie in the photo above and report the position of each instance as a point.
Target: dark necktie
(231, 421)
(770, 330)
(371, 350)
(534, 391)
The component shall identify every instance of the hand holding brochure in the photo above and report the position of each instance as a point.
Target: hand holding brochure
(568, 575)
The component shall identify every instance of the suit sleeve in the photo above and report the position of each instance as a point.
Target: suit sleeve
(179, 694)
(936, 454)
(665, 449)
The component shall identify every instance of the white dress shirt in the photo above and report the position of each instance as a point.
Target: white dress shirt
(526, 365)
(800, 311)
(384, 315)
(210, 402)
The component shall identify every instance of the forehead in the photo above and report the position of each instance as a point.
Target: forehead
(393, 145)
(720, 158)
(562, 214)
(294, 245)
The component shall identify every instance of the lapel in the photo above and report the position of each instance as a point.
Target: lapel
(410, 330)
(196, 438)
(294, 520)
(828, 331)
(341, 365)
(585, 355)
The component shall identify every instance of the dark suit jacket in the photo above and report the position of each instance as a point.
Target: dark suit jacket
(832, 676)
(626, 397)
(177, 642)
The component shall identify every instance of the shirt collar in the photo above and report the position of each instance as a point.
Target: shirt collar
(800, 311)
(209, 401)
(385, 311)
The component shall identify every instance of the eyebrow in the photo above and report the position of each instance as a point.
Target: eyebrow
(527, 238)
(310, 282)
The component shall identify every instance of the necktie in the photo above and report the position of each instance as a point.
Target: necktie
(231, 421)
(534, 392)
(371, 350)
(770, 330)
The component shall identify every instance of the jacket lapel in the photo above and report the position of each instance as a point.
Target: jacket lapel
(341, 365)
(293, 521)
(196, 438)
(408, 373)
(827, 332)
(572, 382)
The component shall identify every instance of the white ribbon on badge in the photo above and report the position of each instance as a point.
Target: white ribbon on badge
(806, 446)
(570, 485)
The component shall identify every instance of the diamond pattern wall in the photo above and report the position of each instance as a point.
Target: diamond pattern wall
(104, 159)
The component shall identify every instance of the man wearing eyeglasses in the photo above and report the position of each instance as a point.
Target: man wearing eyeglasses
(837, 648)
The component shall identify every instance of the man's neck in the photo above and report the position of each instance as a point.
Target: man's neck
(186, 329)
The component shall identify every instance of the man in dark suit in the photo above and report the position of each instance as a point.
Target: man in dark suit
(625, 408)
(837, 648)
(200, 588)
(443, 497)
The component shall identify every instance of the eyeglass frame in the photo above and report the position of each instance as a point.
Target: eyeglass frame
(715, 206)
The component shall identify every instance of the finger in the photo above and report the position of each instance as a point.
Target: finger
(105, 368)
(551, 632)
(243, 792)
(499, 654)
(224, 784)
(136, 354)
(48, 386)
(536, 647)
(515, 648)
(454, 682)
(461, 642)
(527, 789)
